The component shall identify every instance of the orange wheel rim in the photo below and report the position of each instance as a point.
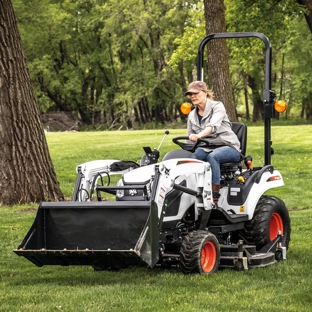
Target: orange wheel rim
(276, 224)
(208, 256)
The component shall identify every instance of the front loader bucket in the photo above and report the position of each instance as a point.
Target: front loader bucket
(108, 234)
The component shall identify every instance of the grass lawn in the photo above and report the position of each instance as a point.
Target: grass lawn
(286, 286)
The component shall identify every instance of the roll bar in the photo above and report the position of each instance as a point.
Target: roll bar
(268, 94)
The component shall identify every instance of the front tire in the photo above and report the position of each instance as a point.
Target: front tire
(199, 253)
(270, 216)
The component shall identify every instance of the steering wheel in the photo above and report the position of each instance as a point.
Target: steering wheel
(191, 147)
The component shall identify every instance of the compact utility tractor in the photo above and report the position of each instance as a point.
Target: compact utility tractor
(162, 213)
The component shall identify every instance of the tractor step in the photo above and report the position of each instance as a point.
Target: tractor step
(232, 250)
(244, 257)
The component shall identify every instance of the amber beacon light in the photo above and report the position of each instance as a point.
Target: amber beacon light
(280, 106)
(186, 108)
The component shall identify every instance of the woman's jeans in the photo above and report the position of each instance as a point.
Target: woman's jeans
(216, 157)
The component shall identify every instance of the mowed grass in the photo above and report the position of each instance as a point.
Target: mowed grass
(286, 286)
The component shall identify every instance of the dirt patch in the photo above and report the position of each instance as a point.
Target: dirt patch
(60, 121)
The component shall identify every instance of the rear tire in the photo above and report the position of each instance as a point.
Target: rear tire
(199, 253)
(270, 216)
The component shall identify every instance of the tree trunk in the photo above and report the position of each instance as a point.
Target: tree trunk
(306, 107)
(147, 113)
(83, 101)
(246, 103)
(218, 66)
(26, 170)
(308, 15)
(141, 110)
(137, 115)
(256, 100)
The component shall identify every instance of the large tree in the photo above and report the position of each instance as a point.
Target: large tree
(219, 73)
(26, 169)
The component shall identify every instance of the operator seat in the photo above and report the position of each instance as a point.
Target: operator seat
(240, 130)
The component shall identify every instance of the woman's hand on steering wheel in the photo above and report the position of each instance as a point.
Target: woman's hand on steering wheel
(194, 137)
(202, 142)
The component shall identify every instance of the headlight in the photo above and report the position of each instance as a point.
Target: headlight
(120, 193)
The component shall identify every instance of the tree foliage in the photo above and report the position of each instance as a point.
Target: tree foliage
(122, 62)
(110, 58)
(278, 20)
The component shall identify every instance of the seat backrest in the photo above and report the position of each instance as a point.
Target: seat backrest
(240, 130)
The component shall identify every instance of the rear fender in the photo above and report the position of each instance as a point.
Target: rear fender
(267, 181)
